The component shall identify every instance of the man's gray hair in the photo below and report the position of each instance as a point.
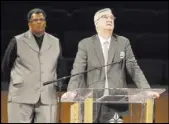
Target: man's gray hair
(99, 13)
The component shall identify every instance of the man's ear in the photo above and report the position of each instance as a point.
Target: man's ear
(45, 24)
(29, 25)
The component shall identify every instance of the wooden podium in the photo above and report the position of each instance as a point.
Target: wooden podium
(82, 111)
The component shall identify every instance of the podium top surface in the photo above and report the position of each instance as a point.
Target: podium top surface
(112, 95)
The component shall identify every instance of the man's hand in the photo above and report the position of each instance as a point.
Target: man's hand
(154, 94)
(69, 95)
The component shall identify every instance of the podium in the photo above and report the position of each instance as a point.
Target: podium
(109, 105)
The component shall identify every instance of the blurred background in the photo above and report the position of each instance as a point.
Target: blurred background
(145, 23)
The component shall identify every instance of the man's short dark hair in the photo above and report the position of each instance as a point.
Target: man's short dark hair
(36, 11)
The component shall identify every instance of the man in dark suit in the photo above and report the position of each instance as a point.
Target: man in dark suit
(101, 49)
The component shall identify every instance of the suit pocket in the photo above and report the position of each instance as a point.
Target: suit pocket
(117, 61)
(16, 79)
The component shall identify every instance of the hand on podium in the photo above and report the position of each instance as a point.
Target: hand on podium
(154, 94)
(69, 95)
(76, 96)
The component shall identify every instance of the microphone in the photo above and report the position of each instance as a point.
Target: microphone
(66, 77)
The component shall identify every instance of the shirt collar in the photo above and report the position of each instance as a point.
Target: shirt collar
(103, 40)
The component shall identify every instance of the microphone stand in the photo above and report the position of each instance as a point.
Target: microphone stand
(60, 86)
(59, 101)
(66, 77)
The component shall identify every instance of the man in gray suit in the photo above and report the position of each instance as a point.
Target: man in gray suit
(102, 49)
(31, 59)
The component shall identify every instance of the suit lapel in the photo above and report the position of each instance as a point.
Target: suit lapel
(112, 50)
(45, 44)
(98, 49)
(30, 40)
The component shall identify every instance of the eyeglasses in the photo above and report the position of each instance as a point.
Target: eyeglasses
(36, 20)
(106, 17)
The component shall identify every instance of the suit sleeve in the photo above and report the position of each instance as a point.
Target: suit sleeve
(78, 66)
(62, 69)
(59, 62)
(8, 60)
(133, 68)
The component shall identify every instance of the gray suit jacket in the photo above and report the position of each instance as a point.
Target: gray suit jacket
(33, 67)
(90, 55)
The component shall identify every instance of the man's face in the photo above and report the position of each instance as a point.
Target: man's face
(37, 23)
(106, 21)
